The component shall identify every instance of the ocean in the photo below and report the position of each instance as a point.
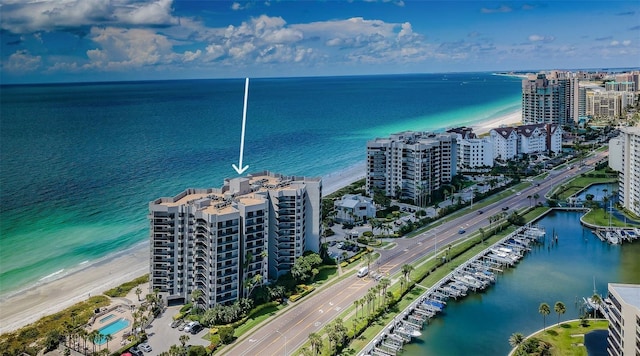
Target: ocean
(80, 162)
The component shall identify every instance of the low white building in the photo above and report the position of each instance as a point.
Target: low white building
(472, 152)
(505, 143)
(354, 207)
(475, 153)
(540, 138)
(510, 142)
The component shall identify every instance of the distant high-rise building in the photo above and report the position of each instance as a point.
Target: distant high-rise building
(624, 157)
(620, 86)
(623, 313)
(552, 98)
(410, 165)
(609, 104)
(214, 240)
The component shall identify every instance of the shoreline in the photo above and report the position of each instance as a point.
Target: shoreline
(27, 305)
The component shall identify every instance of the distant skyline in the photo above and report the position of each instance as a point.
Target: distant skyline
(98, 40)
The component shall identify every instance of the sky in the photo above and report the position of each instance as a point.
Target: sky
(97, 40)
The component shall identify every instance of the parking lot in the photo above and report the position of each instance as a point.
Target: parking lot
(162, 335)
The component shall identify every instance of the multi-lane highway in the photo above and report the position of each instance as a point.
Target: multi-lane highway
(285, 333)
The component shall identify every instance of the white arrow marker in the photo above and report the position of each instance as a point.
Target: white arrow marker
(244, 120)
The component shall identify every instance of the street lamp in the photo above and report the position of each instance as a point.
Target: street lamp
(285, 341)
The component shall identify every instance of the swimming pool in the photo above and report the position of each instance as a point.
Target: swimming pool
(108, 317)
(112, 329)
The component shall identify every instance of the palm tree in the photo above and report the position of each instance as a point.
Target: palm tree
(559, 308)
(84, 335)
(184, 339)
(406, 271)
(545, 310)
(138, 292)
(384, 283)
(516, 339)
(94, 337)
(356, 303)
(316, 343)
(108, 338)
(195, 295)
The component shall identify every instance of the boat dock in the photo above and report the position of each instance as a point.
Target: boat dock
(618, 235)
(474, 275)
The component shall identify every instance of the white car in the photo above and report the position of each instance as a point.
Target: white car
(190, 326)
(144, 347)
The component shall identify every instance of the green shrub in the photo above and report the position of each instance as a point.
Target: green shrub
(124, 289)
(186, 307)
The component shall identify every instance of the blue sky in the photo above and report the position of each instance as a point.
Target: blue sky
(94, 40)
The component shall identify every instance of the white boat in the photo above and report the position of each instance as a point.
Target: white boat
(612, 238)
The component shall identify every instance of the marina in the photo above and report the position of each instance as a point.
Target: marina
(568, 265)
(475, 275)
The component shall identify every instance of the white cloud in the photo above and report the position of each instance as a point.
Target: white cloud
(502, 8)
(540, 38)
(153, 13)
(626, 42)
(35, 16)
(614, 43)
(191, 56)
(21, 62)
(126, 49)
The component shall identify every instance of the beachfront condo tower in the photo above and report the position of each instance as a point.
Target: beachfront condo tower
(551, 98)
(624, 157)
(410, 165)
(226, 241)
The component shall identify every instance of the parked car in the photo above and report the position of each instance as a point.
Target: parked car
(190, 326)
(174, 324)
(145, 347)
(135, 351)
(196, 329)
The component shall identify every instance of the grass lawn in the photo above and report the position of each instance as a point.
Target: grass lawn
(257, 319)
(601, 218)
(568, 338)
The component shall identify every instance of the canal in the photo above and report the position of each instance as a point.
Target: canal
(480, 324)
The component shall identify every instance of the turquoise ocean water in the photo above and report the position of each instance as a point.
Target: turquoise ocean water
(80, 162)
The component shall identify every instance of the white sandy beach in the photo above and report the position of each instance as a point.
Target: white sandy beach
(25, 308)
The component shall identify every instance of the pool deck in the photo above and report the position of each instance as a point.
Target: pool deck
(120, 308)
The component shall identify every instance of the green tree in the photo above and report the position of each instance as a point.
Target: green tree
(559, 308)
(108, 338)
(406, 272)
(226, 334)
(316, 343)
(138, 292)
(516, 339)
(545, 310)
(184, 338)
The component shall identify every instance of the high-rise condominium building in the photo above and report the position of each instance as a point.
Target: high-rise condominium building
(623, 304)
(410, 165)
(624, 157)
(215, 240)
(552, 98)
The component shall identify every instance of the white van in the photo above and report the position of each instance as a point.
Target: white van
(363, 272)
